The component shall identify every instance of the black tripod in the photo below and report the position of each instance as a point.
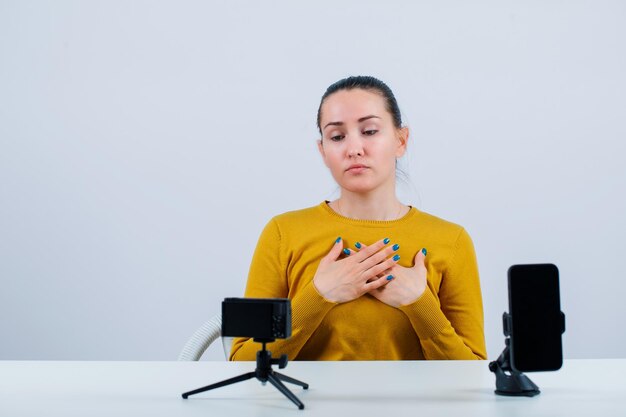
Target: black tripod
(508, 381)
(263, 373)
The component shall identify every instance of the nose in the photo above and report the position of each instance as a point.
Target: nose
(355, 148)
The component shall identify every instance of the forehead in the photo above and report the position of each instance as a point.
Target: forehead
(351, 105)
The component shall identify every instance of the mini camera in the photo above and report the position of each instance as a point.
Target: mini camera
(258, 318)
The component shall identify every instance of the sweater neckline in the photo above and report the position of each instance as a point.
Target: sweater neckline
(328, 210)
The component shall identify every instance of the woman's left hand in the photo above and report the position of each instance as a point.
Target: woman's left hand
(407, 285)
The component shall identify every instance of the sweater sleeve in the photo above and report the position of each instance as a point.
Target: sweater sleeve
(268, 279)
(450, 326)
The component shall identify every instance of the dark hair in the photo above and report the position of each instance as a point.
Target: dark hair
(364, 83)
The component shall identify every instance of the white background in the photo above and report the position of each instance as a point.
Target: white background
(145, 144)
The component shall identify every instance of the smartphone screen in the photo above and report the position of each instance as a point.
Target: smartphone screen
(536, 318)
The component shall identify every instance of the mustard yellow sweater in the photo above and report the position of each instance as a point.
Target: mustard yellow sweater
(446, 322)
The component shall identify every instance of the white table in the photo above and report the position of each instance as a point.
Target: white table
(389, 389)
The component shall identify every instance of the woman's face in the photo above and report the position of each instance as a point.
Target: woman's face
(359, 142)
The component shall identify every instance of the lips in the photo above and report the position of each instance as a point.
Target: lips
(356, 168)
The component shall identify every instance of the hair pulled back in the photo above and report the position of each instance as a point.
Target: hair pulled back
(367, 83)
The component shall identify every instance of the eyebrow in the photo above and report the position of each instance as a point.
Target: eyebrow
(362, 119)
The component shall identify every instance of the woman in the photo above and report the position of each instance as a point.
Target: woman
(361, 281)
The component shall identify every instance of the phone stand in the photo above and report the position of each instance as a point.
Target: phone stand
(508, 381)
(263, 373)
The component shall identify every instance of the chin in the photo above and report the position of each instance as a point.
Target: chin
(358, 188)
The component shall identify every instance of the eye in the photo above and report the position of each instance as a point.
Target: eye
(370, 132)
(337, 138)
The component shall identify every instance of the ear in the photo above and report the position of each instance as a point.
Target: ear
(403, 140)
(320, 147)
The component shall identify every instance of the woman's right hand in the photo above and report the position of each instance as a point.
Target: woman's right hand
(343, 280)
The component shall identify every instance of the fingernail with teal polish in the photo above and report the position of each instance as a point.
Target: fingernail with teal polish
(338, 239)
(389, 277)
(424, 251)
(357, 245)
(386, 240)
(346, 251)
(396, 247)
(396, 257)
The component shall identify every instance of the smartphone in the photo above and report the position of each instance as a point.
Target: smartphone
(536, 320)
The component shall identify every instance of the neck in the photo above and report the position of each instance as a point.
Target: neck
(372, 206)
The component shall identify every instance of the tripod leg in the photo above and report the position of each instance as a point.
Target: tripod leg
(282, 388)
(230, 381)
(291, 380)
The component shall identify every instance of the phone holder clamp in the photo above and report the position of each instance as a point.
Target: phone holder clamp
(508, 381)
